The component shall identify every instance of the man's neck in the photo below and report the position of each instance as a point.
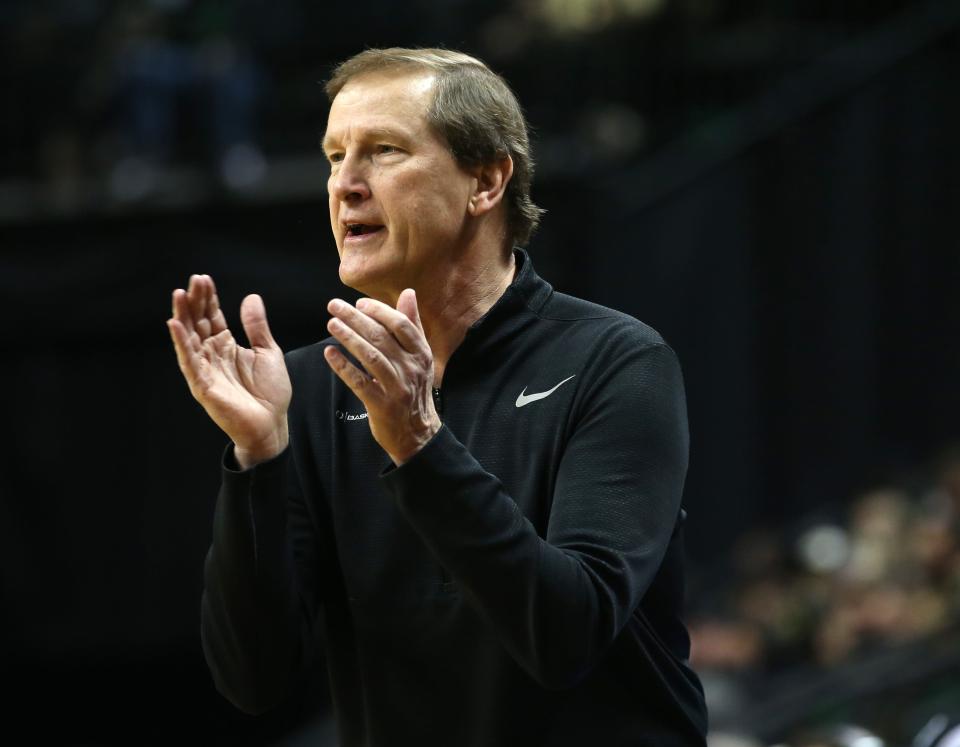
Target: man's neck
(449, 308)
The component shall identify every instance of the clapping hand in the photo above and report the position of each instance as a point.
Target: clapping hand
(397, 386)
(246, 391)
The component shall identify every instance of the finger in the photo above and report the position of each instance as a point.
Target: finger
(187, 356)
(365, 326)
(198, 308)
(195, 295)
(378, 365)
(218, 321)
(407, 305)
(202, 321)
(357, 381)
(253, 316)
(205, 284)
(410, 337)
(181, 310)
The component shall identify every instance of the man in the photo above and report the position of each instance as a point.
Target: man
(471, 493)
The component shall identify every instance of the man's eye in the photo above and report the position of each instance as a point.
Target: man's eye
(382, 148)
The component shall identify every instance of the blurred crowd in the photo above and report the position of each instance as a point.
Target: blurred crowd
(830, 592)
(104, 98)
(124, 91)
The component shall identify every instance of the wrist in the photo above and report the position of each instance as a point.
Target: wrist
(250, 455)
(420, 439)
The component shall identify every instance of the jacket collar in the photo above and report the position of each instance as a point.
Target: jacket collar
(528, 291)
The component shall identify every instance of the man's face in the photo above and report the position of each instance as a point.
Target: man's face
(398, 199)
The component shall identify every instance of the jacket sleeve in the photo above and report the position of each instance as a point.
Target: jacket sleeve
(258, 603)
(557, 602)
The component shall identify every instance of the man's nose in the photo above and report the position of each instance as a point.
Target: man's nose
(349, 183)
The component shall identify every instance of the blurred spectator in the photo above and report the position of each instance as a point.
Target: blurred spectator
(890, 573)
(178, 68)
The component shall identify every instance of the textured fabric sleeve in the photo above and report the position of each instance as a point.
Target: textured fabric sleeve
(258, 602)
(557, 602)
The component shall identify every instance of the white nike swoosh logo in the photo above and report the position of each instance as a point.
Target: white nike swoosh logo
(526, 399)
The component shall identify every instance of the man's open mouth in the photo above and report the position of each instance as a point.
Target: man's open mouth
(361, 229)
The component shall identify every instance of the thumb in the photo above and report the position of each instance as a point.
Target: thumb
(253, 316)
(407, 305)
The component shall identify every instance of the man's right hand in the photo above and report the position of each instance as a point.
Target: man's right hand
(246, 391)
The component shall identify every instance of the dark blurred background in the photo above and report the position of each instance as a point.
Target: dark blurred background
(774, 186)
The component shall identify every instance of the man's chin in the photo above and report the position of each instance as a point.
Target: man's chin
(363, 277)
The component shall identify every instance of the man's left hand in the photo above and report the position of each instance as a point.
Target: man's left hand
(397, 387)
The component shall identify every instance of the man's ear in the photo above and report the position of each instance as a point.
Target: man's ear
(492, 179)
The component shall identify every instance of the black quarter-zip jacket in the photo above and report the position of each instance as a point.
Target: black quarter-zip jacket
(519, 581)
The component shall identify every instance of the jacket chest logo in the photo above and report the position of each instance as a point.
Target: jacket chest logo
(525, 399)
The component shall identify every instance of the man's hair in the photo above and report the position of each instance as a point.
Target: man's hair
(473, 109)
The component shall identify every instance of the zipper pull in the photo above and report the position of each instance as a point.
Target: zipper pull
(437, 401)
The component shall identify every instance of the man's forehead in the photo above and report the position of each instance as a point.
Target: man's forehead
(383, 102)
(370, 92)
